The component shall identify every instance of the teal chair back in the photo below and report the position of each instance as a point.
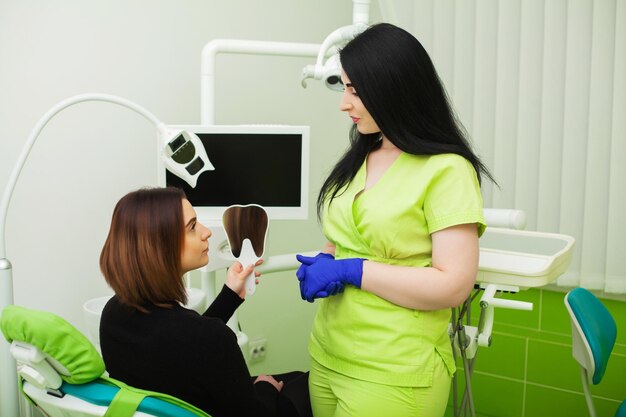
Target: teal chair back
(593, 337)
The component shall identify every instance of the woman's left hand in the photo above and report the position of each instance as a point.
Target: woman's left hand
(236, 277)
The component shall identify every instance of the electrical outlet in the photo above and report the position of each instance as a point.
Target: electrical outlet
(258, 349)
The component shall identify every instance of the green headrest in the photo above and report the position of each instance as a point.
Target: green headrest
(56, 337)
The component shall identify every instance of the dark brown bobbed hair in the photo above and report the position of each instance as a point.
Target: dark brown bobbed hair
(141, 257)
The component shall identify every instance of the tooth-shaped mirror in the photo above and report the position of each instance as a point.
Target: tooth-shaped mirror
(246, 229)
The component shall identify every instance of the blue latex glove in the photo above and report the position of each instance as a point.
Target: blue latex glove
(331, 289)
(302, 270)
(319, 272)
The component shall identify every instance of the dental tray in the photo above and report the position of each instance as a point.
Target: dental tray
(522, 258)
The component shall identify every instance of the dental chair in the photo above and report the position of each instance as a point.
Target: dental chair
(593, 337)
(61, 373)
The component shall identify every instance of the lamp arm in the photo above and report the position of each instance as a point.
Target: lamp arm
(342, 34)
(360, 19)
(17, 169)
(237, 46)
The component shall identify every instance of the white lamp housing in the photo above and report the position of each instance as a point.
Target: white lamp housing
(184, 155)
(330, 73)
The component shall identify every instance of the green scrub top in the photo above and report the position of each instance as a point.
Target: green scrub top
(360, 334)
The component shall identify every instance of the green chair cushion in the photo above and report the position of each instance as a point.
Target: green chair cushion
(59, 339)
(56, 337)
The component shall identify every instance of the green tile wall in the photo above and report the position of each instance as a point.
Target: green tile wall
(529, 371)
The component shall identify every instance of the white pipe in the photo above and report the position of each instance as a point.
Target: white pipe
(511, 304)
(507, 218)
(484, 337)
(489, 299)
(360, 11)
(281, 263)
(488, 302)
(9, 405)
(235, 46)
(8, 379)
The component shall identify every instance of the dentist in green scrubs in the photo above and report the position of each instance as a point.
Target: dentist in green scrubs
(402, 212)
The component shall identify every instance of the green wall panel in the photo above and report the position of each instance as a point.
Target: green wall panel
(505, 357)
(553, 365)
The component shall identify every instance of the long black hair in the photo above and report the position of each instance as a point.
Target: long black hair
(399, 86)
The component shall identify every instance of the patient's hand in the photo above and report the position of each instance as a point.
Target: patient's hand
(268, 378)
(236, 277)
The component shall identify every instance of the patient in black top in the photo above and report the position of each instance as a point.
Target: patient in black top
(148, 340)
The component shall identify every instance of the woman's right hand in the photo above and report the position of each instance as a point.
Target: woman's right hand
(268, 378)
(236, 277)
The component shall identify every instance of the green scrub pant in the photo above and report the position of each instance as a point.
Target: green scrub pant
(338, 395)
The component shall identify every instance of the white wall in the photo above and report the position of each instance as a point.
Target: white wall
(147, 51)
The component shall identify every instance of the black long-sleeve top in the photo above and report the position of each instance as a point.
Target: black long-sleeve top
(179, 352)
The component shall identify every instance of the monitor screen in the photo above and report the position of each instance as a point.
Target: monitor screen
(254, 164)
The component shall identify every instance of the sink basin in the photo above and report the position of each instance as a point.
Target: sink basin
(521, 258)
(92, 310)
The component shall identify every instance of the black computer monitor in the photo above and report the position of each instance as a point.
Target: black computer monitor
(266, 165)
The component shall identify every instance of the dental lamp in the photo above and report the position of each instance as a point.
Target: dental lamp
(330, 71)
(183, 154)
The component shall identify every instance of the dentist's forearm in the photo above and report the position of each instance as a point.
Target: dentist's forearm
(425, 288)
(446, 283)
